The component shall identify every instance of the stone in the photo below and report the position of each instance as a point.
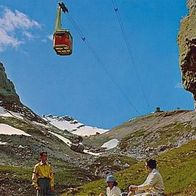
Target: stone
(187, 48)
(7, 89)
(10, 100)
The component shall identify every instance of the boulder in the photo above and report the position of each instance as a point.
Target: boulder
(7, 89)
(187, 48)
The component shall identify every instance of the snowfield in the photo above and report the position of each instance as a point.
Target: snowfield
(73, 126)
(68, 142)
(9, 130)
(65, 140)
(110, 144)
(87, 131)
(6, 113)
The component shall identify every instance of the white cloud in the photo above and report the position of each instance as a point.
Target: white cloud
(50, 37)
(6, 40)
(28, 35)
(12, 22)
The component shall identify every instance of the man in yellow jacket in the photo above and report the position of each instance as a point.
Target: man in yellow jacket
(43, 177)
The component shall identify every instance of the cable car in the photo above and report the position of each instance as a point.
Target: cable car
(62, 39)
(62, 42)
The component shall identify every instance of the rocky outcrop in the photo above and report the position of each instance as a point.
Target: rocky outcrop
(187, 49)
(10, 100)
(7, 89)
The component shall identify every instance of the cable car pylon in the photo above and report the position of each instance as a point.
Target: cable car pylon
(62, 39)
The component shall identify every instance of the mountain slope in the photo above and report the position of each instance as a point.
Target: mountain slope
(21, 141)
(177, 127)
(177, 166)
(23, 134)
(149, 135)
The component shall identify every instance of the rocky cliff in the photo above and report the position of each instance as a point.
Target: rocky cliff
(187, 48)
(10, 100)
(7, 89)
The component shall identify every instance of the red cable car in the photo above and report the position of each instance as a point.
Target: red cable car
(62, 42)
(62, 39)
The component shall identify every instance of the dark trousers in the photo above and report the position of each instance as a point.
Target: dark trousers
(44, 184)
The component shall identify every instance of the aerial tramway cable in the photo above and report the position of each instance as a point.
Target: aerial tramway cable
(89, 46)
(116, 9)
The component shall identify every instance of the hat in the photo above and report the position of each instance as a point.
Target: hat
(110, 178)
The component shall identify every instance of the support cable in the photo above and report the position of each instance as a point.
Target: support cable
(116, 9)
(89, 46)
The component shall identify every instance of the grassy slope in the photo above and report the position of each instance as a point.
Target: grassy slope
(22, 176)
(177, 166)
(40, 140)
(12, 172)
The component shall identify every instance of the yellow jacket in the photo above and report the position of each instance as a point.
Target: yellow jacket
(42, 170)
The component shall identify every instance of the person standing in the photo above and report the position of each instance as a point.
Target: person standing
(43, 176)
(153, 184)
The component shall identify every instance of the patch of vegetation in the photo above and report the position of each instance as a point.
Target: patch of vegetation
(22, 173)
(64, 175)
(95, 141)
(112, 162)
(125, 142)
(172, 132)
(164, 135)
(23, 125)
(177, 166)
(70, 176)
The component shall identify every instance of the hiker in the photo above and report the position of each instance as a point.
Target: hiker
(153, 184)
(43, 177)
(112, 187)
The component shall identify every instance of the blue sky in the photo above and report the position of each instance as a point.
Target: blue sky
(77, 85)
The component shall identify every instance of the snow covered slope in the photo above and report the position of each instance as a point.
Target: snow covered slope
(72, 125)
(9, 130)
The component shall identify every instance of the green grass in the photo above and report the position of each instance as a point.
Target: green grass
(171, 132)
(167, 134)
(125, 142)
(110, 162)
(69, 176)
(23, 173)
(64, 175)
(177, 166)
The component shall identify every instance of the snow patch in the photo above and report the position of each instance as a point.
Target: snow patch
(91, 153)
(6, 113)
(68, 142)
(87, 131)
(73, 126)
(65, 140)
(3, 112)
(110, 144)
(3, 143)
(9, 130)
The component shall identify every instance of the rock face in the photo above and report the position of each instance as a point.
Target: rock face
(7, 89)
(187, 48)
(11, 101)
